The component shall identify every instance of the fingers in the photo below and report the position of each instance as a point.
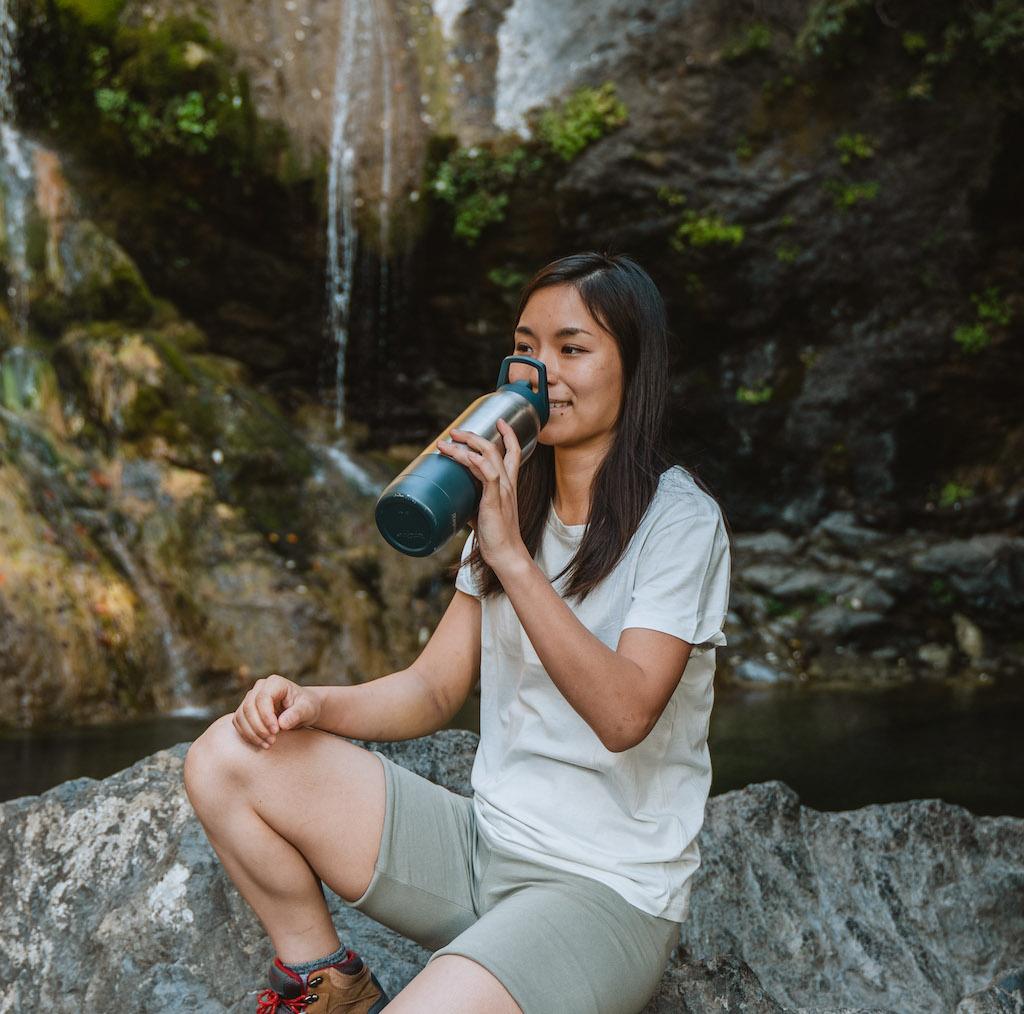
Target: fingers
(480, 456)
(513, 449)
(267, 712)
(243, 727)
(256, 717)
(295, 716)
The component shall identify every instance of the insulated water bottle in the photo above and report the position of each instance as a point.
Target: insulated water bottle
(430, 500)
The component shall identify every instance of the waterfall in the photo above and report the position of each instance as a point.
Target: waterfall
(363, 68)
(175, 651)
(17, 179)
(352, 471)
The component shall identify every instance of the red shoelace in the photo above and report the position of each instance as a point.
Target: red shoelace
(270, 1002)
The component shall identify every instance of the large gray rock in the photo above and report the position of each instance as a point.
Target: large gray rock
(906, 906)
(112, 894)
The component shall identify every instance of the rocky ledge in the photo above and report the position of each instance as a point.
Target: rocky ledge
(113, 899)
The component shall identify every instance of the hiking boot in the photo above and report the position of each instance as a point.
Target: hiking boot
(348, 988)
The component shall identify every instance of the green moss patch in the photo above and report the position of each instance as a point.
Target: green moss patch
(160, 91)
(478, 181)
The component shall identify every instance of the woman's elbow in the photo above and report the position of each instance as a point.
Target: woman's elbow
(626, 734)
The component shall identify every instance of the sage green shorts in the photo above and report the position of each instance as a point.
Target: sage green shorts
(558, 942)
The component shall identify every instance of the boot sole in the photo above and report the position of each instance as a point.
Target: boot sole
(384, 998)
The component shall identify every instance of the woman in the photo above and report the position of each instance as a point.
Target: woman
(589, 601)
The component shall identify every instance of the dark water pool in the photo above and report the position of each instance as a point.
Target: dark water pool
(838, 749)
(841, 750)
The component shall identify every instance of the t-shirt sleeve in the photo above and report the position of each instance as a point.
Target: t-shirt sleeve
(682, 580)
(464, 580)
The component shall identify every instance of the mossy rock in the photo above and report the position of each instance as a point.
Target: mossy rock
(98, 279)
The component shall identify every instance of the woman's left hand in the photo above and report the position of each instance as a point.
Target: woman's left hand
(497, 522)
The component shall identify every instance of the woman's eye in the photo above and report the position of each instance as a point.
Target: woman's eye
(522, 348)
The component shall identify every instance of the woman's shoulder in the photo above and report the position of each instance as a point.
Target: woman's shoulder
(679, 497)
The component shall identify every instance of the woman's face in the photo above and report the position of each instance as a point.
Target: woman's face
(583, 363)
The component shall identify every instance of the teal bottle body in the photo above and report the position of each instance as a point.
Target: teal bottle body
(434, 496)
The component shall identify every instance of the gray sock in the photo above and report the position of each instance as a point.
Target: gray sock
(303, 968)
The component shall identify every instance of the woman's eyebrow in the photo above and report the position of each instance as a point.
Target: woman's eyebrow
(562, 332)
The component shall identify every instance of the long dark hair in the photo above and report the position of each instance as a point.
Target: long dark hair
(623, 299)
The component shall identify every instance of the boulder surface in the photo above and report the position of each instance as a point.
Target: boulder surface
(113, 899)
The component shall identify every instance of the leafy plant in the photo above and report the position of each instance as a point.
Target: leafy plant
(755, 38)
(1001, 27)
(952, 36)
(914, 42)
(699, 229)
(920, 87)
(162, 88)
(696, 230)
(744, 150)
(671, 197)
(991, 308)
(845, 194)
(507, 278)
(586, 116)
(972, 338)
(787, 253)
(190, 116)
(476, 181)
(855, 146)
(953, 494)
(754, 395)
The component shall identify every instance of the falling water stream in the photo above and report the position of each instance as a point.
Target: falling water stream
(174, 648)
(363, 87)
(17, 178)
(363, 72)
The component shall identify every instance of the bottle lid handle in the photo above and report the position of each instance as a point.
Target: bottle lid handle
(538, 397)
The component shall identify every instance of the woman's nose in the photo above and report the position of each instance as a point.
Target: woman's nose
(522, 372)
(551, 368)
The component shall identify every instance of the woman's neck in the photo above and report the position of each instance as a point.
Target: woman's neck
(575, 468)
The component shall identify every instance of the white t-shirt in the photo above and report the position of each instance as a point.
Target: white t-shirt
(544, 786)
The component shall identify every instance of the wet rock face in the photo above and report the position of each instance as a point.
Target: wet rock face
(815, 362)
(144, 570)
(541, 53)
(166, 535)
(825, 306)
(908, 906)
(868, 173)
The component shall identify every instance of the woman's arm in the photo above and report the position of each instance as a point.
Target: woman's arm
(620, 694)
(413, 702)
(418, 700)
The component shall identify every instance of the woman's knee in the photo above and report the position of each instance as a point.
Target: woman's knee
(215, 761)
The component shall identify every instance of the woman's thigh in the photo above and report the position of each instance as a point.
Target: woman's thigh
(569, 948)
(319, 792)
(425, 881)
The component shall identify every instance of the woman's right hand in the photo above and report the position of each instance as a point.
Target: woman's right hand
(274, 705)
